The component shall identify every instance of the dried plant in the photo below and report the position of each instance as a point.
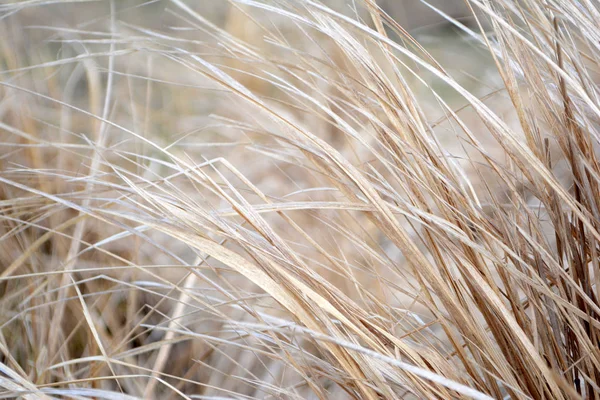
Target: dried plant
(296, 199)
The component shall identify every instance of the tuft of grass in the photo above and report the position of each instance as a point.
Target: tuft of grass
(299, 199)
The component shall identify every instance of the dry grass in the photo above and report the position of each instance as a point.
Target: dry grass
(287, 199)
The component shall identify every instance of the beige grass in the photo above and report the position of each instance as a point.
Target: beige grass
(295, 199)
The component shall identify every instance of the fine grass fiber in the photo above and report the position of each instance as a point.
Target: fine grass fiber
(295, 199)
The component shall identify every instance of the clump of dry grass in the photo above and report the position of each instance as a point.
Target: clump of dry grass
(287, 199)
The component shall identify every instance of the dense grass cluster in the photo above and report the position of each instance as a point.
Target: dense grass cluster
(290, 199)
